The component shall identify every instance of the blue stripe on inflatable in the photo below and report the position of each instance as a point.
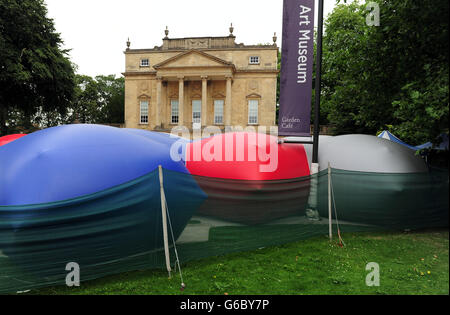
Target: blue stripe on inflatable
(397, 140)
(69, 161)
(177, 144)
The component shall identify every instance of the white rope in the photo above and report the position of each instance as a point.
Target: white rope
(335, 211)
(174, 246)
(166, 217)
(164, 220)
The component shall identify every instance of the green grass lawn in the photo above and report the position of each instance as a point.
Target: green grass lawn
(410, 263)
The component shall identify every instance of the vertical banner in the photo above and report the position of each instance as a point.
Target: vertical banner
(297, 54)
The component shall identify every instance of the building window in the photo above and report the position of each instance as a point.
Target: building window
(174, 111)
(252, 112)
(218, 112)
(145, 63)
(254, 60)
(196, 111)
(144, 112)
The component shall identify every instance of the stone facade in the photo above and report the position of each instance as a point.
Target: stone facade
(211, 79)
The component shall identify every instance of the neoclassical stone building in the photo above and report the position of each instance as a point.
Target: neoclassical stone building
(200, 81)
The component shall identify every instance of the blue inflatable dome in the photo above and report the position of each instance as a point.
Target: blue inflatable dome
(69, 161)
(176, 143)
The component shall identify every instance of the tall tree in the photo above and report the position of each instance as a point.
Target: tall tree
(98, 100)
(392, 76)
(35, 73)
(86, 107)
(344, 73)
(111, 98)
(414, 41)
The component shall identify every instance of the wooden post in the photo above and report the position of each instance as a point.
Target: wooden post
(164, 220)
(330, 225)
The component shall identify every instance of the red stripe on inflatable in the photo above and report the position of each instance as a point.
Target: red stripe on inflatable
(9, 138)
(246, 156)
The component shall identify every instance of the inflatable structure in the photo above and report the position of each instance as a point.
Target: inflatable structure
(71, 161)
(248, 177)
(365, 153)
(89, 194)
(246, 156)
(379, 182)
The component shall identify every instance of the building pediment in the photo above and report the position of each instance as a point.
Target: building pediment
(218, 95)
(193, 58)
(254, 95)
(143, 96)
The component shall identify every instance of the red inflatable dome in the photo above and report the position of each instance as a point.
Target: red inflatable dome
(9, 138)
(246, 156)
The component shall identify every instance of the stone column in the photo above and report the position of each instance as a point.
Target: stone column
(158, 102)
(204, 100)
(181, 100)
(228, 106)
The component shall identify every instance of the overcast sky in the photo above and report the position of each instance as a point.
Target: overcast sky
(96, 31)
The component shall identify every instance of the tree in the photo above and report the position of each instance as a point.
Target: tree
(98, 100)
(35, 73)
(392, 76)
(112, 98)
(345, 74)
(85, 107)
(414, 39)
